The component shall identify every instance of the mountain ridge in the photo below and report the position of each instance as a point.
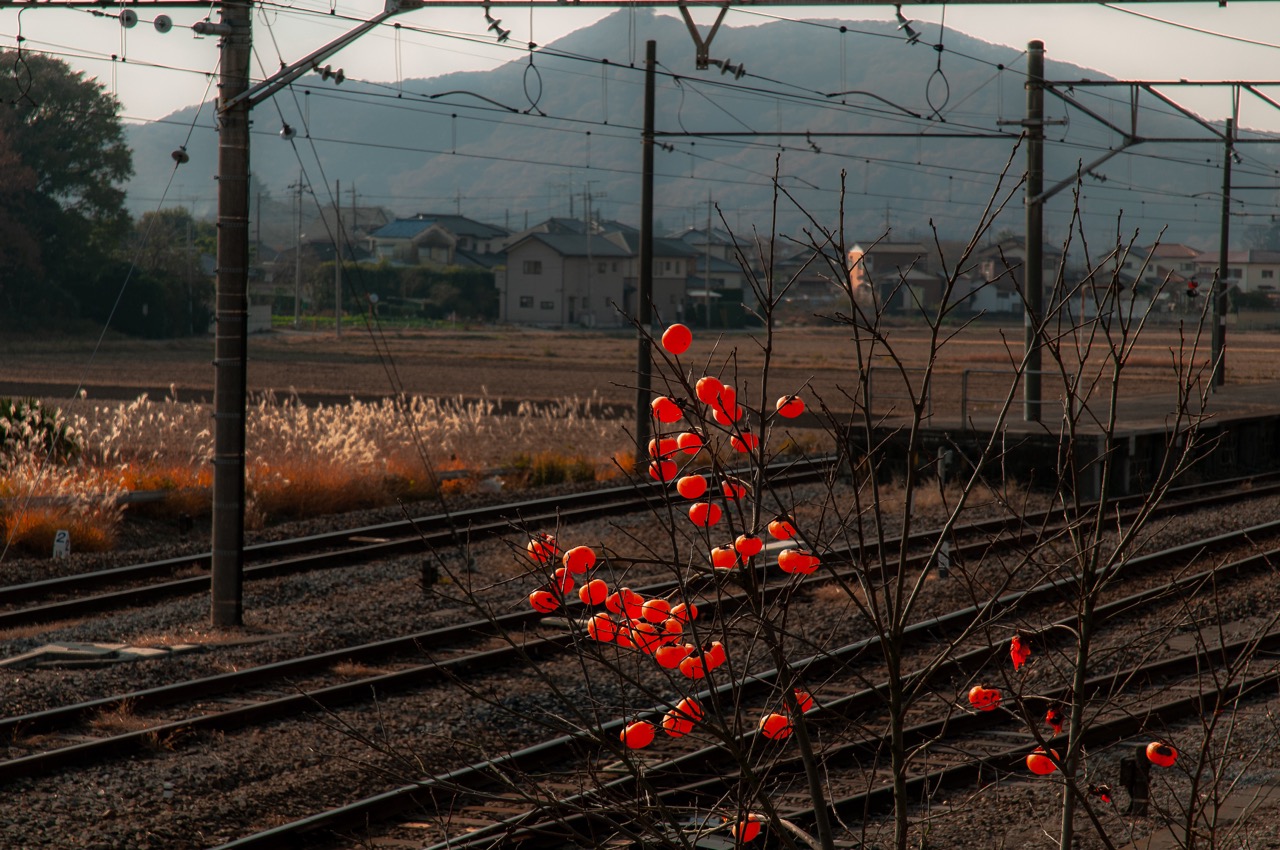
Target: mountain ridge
(515, 143)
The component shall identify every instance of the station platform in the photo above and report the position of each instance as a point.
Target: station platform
(1233, 432)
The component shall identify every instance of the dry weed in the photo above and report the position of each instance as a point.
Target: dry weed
(119, 719)
(302, 460)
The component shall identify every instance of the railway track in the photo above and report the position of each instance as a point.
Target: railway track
(586, 819)
(138, 584)
(310, 683)
(519, 628)
(451, 792)
(411, 675)
(77, 595)
(448, 647)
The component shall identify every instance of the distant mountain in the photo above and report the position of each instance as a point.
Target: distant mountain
(486, 144)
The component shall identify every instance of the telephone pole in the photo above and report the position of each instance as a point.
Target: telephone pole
(1033, 269)
(232, 314)
(297, 259)
(1218, 307)
(337, 258)
(644, 292)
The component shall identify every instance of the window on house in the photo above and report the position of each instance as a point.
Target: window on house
(533, 266)
(1233, 274)
(526, 300)
(677, 268)
(548, 305)
(666, 265)
(602, 267)
(615, 267)
(1268, 274)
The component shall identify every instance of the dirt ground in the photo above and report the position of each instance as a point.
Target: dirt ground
(519, 364)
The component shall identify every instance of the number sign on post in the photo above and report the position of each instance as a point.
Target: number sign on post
(61, 543)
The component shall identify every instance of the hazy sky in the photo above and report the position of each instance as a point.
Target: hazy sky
(162, 73)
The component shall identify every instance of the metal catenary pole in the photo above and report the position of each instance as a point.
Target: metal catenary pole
(337, 259)
(644, 306)
(1033, 272)
(1218, 313)
(232, 313)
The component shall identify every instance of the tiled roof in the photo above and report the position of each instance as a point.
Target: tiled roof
(459, 225)
(575, 245)
(402, 228)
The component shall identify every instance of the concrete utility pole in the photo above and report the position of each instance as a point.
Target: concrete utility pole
(232, 315)
(586, 216)
(644, 295)
(706, 271)
(1033, 269)
(297, 258)
(1218, 313)
(337, 258)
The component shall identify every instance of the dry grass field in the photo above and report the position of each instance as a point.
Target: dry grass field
(334, 453)
(518, 364)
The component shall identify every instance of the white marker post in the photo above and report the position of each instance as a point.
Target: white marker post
(61, 543)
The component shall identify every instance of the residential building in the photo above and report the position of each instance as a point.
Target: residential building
(558, 280)
(993, 282)
(1247, 271)
(440, 239)
(1154, 266)
(555, 277)
(718, 294)
(673, 261)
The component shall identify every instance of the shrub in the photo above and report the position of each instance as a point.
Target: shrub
(26, 425)
(546, 469)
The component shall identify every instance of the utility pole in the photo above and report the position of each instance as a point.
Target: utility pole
(586, 208)
(644, 306)
(1033, 268)
(706, 271)
(1218, 315)
(297, 259)
(337, 258)
(232, 313)
(355, 222)
(186, 266)
(587, 205)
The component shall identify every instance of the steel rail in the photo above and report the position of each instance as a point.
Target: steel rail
(447, 786)
(444, 637)
(415, 536)
(719, 765)
(436, 529)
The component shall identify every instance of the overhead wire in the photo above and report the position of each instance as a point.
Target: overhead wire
(748, 91)
(1199, 30)
(377, 335)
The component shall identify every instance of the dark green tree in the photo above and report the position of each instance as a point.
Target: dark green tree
(167, 244)
(64, 144)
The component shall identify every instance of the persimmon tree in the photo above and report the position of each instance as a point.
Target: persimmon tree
(750, 673)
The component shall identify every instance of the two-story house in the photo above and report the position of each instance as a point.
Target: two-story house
(1248, 271)
(994, 278)
(557, 279)
(561, 279)
(439, 239)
